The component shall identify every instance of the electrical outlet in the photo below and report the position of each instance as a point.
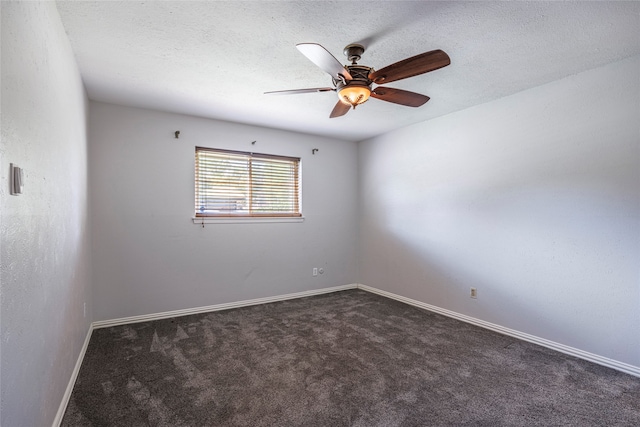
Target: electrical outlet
(473, 293)
(315, 271)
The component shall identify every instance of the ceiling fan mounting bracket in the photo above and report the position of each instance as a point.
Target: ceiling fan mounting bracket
(353, 52)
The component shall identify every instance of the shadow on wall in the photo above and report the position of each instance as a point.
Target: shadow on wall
(532, 274)
(545, 240)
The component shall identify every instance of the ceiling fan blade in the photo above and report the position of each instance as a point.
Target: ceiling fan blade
(340, 110)
(399, 96)
(410, 67)
(296, 91)
(323, 59)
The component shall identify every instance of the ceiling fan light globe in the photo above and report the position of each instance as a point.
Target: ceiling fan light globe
(354, 95)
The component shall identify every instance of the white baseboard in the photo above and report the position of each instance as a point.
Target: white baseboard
(72, 381)
(600, 360)
(217, 307)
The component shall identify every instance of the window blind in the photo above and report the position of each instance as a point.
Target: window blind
(233, 183)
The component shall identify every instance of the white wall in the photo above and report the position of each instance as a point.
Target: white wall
(533, 199)
(149, 257)
(45, 249)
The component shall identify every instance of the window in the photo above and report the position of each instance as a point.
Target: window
(238, 184)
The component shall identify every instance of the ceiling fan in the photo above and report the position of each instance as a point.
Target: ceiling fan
(353, 82)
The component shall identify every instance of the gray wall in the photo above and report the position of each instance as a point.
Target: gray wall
(533, 199)
(44, 233)
(149, 256)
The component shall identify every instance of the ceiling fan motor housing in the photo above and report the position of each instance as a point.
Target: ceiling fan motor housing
(359, 75)
(358, 88)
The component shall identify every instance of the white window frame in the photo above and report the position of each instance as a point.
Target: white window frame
(223, 215)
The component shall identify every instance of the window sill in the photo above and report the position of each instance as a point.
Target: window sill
(244, 220)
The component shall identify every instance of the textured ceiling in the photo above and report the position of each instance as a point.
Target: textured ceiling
(216, 58)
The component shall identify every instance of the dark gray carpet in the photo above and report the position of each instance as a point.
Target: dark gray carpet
(344, 359)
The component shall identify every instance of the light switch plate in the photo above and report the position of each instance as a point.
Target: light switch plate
(17, 179)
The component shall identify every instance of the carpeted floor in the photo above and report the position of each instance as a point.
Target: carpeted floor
(348, 358)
